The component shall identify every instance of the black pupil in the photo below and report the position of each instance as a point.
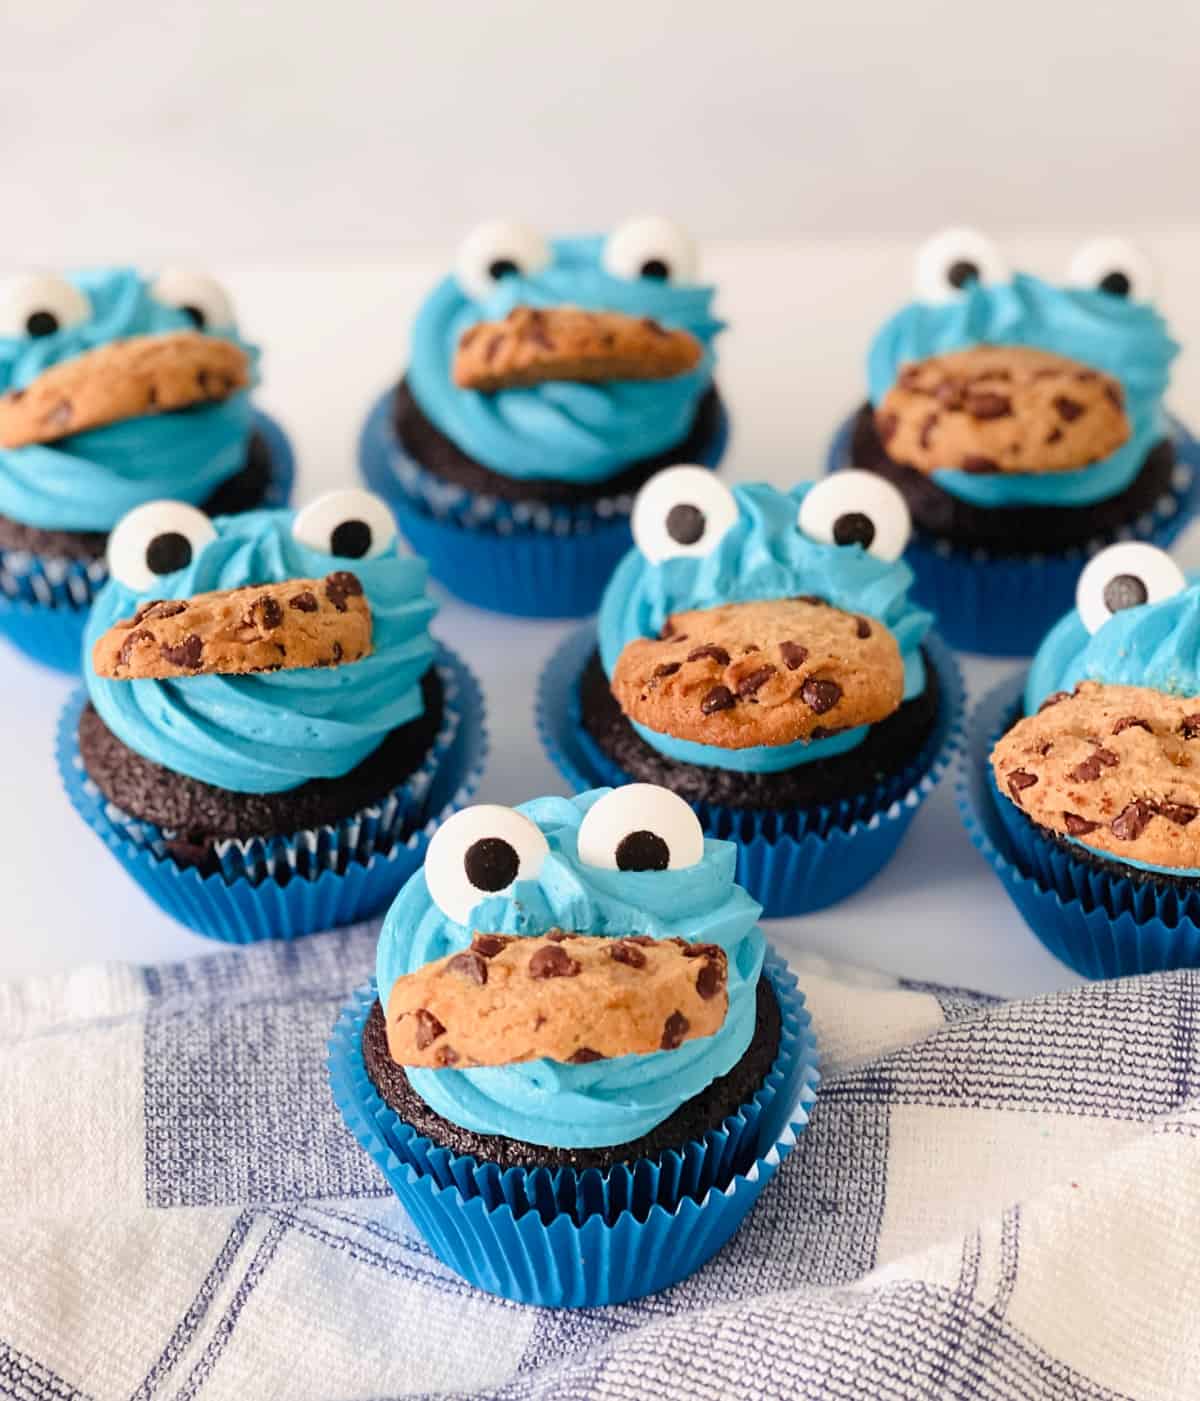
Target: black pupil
(959, 273)
(491, 863)
(351, 539)
(642, 851)
(1117, 283)
(656, 268)
(502, 267)
(168, 552)
(854, 528)
(194, 315)
(685, 523)
(41, 323)
(1124, 591)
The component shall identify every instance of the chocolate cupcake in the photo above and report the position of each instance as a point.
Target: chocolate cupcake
(116, 390)
(547, 382)
(268, 728)
(758, 653)
(576, 995)
(1024, 424)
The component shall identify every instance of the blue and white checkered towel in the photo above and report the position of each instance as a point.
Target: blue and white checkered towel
(996, 1200)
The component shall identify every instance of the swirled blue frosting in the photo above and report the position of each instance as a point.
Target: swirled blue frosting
(89, 480)
(1128, 340)
(570, 432)
(270, 732)
(1156, 645)
(764, 555)
(605, 1102)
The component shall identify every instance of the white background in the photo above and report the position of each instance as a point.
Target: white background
(322, 160)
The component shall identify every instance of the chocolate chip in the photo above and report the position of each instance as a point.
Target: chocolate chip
(445, 1056)
(337, 654)
(719, 698)
(187, 653)
(558, 936)
(535, 329)
(1068, 409)
(1131, 821)
(489, 945)
(552, 961)
(1129, 722)
(584, 1056)
(428, 1028)
(266, 613)
(710, 979)
(753, 682)
(1115, 397)
(654, 327)
(645, 940)
(1053, 699)
(304, 602)
(887, 423)
(698, 950)
(675, 1029)
(1179, 813)
(491, 864)
(628, 953)
(667, 630)
(160, 608)
(469, 965)
(1089, 770)
(927, 427)
(813, 599)
(793, 655)
(709, 649)
(862, 629)
(986, 405)
(340, 586)
(820, 695)
(1054, 436)
(949, 393)
(1189, 726)
(132, 641)
(642, 851)
(978, 465)
(492, 348)
(685, 523)
(1078, 826)
(1018, 780)
(665, 669)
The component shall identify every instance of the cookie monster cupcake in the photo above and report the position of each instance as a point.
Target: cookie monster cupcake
(115, 390)
(267, 732)
(759, 654)
(1024, 424)
(579, 1062)
(546, 382)
(1082, 782)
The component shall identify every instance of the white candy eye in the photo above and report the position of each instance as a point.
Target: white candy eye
(641, 827)
(41, 304)
(651, 247)
(1125, 576)
(855, 507)
(498, 249)
(682, 511)
(480, 852)
(352, 524)
(949, 262)
(1113, 265)
(206, 302)
(156, 539)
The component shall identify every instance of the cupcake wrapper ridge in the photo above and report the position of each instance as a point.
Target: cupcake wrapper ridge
(791, 862)
(561, 1238)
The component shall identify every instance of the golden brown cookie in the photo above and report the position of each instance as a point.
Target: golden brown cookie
(1001, 409)
(565, 997)
(771, 672)
(232, 632)
(534, 345)
(125, 379)
(1117, 767)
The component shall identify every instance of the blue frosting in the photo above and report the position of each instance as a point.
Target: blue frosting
(611, 1101)
(763, 556)
(572, 432)
(1128, 340)
(273, 731)
(90, 480)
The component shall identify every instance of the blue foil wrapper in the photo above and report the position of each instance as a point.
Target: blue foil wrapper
(792, 861)
(562, 1238)
(45, 599)
(521, 558)
(1003, 605)
(283, 887)
(1095, 921)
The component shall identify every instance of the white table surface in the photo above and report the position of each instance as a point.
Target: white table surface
(334, 335)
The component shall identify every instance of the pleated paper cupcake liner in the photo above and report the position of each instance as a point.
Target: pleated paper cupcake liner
(792, 861)
(561, 1238)
(527, 559)
(1003, 605)
(286, 886)
(1095, 921)
(45, 599)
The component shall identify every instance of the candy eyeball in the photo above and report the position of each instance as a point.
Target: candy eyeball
(154, 540)
(855, 507)
(350, 524)
(498, 249)
(952, 261)
(640, 827)
(1115, 266)
(1125, 576)
(201, 298)
(682, 512)
(40, 304)
(653, 248)
(479, 852)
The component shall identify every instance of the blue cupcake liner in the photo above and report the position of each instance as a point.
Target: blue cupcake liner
(1096, 922)
(45, 599)
(531, 560)
(283, 887)
(1004, 605)
(562, 1238)
(792, 861)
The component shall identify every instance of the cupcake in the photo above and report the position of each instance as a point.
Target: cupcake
(546, 382)
(579, 1062)
(758, 653)
(267, 730)
(1024, 424)
(116, 390)
(1084, 776)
